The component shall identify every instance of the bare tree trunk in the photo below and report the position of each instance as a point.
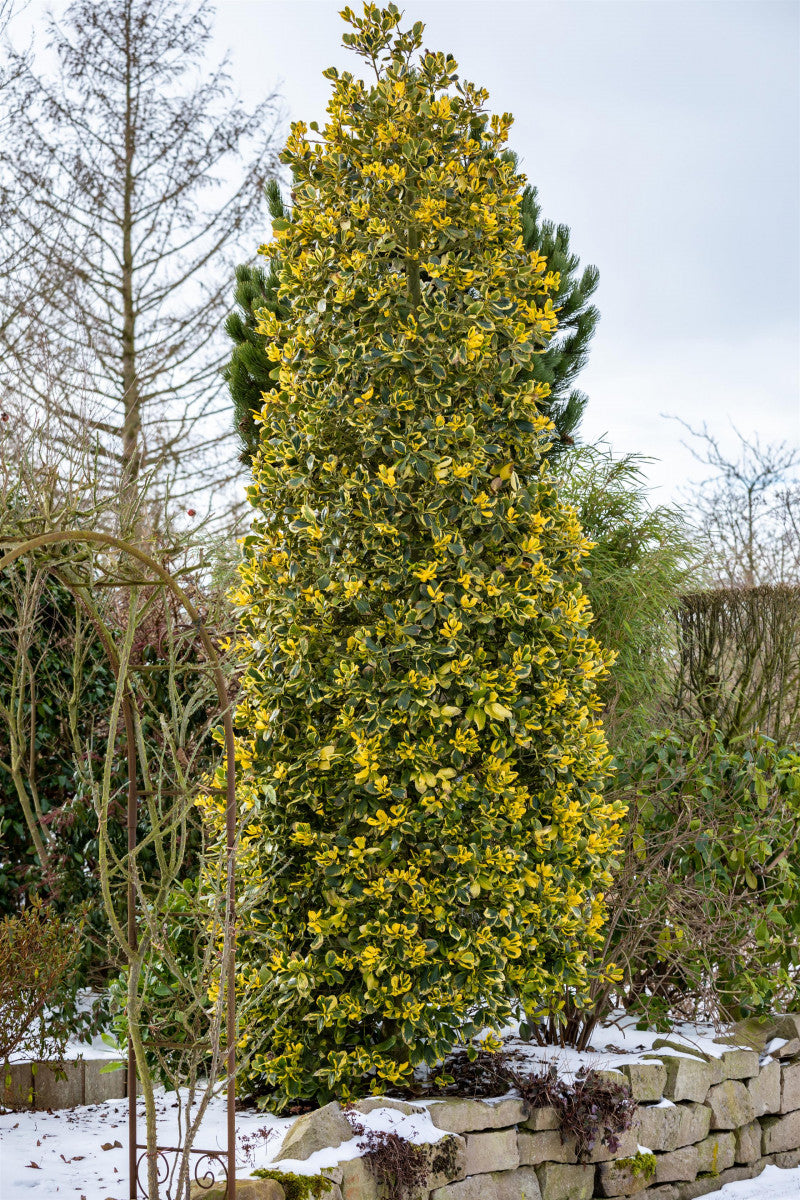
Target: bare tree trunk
(132, 422)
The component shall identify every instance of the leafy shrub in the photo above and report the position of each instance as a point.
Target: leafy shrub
(250, 372)
(56, 691)
(37, 950)
(38, 662)
(715, 832)
(168, 984)
(704, 915)
(420, 754)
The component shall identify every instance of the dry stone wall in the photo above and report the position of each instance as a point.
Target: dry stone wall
(701, 1121)
(704, 1121)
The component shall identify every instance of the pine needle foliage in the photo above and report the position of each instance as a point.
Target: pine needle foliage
(248, 371)
(423, 760)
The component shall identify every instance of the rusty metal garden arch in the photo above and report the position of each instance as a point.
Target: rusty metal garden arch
(22, 547)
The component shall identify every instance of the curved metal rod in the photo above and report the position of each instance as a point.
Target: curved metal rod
(57, 537)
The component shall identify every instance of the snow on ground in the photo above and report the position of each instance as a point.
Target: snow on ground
(616, 1042)
(62, 1154)
(82, 1152)
(99, 1046)
(771, 1184)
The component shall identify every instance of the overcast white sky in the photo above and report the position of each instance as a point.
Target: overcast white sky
(666, 134)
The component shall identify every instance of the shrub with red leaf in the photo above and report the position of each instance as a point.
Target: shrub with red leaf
(37, 949)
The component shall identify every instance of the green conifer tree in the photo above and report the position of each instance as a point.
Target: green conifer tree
(420, 755)
(248, 371)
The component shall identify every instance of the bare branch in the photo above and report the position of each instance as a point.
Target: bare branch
(135, 184)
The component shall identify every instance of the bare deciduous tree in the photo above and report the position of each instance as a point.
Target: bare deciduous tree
(18, 283)
(748, 509)
(122, 170)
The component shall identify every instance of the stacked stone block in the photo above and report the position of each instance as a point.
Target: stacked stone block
(703, 1120)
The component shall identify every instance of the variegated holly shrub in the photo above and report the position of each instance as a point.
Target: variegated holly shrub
(420, 758)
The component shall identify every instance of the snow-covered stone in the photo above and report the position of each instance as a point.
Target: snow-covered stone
(787, 1026)
(780, 1133)
(712, 1183)
(786, 1049)
(748, 1143)
(740, 1063)
(321, 1129)
(790, 1087)
(371, 1103)
(614, 1076)
(358, 1181)
(688, 1078)
(615, 1180)
(662, 1043)
(676, 1165)
(542, 1118)
(646, 1079)
(785, 1159)
(754, 1033)
(546, 1146)
(716, 1153)
(626, 1148)
(445, 1162)
(665, 1128)
(246, 1189)
(478, 1187)
(521, 1184)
